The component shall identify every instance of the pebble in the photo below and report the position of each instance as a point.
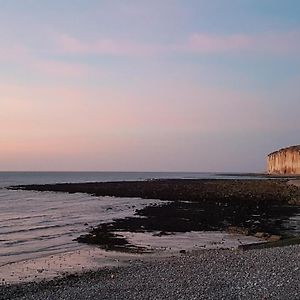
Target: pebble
(272, 273)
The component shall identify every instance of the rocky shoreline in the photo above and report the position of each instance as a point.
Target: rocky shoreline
(252, 207)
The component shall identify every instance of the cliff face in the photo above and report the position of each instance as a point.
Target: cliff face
(285, 161)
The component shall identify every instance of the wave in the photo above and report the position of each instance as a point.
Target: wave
(41, 228)
(22, 218)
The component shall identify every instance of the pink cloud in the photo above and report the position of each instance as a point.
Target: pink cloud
(276, 43)
(25, 57)
(279, 43)
(13, 53)
(212, 43)
(265, 43)
(107, 46)
(59, 68)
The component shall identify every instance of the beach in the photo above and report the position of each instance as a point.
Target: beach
(191, 245)
(217, 274)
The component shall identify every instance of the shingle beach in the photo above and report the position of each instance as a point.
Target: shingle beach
(215, 274)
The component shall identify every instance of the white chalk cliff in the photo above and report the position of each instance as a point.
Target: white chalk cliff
(285, 161)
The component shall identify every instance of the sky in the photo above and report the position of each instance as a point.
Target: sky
(124, 85)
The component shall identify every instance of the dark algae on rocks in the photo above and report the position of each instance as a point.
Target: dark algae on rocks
(245, 206)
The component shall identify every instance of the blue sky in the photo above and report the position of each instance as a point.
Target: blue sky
(147, 85)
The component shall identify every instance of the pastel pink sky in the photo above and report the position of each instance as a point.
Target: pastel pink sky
(117, 91)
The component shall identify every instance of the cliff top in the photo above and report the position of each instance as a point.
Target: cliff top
(292, 148)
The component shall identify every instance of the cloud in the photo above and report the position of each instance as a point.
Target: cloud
(107, 46)
(265, 43)
(28, 58)
(206, 43)
(51, 62)
(60, 68)
(273, 43)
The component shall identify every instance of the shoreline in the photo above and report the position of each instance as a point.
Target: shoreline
(92, 257)
(260, 208)
(227, 203)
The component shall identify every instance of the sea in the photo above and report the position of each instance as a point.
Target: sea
(36, 224)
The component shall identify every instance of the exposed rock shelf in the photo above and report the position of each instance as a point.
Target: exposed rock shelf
(243, 206)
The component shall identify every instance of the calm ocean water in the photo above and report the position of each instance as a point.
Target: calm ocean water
(35, 224)
(18, 178)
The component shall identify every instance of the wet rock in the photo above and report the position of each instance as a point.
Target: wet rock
(274, 238)
(294, 201)
(260, 235)
(162, 233)
(238, 230)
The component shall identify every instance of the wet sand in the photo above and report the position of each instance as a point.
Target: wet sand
(93, 258)
(62, 264)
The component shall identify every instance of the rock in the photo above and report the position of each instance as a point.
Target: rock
(238, 230)
(294, 201)
(260, 235)
(274, 238)
(161, 233)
